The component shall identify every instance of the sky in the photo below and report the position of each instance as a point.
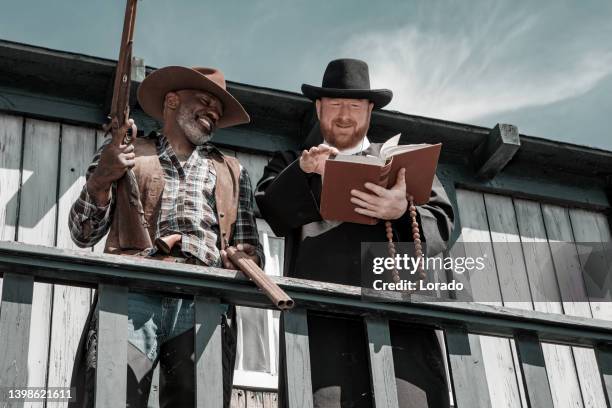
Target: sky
(544, 66)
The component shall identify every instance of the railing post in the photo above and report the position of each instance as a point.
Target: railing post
(111, 370)
(468, 375)
(380, 355)
(297, 359)
(208, 354)
(15, 314)
(603, 353)
(533, 370)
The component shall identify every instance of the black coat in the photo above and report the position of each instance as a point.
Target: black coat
(315, 249)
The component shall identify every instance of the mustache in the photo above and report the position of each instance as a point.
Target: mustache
(344, 122)
(210, 118)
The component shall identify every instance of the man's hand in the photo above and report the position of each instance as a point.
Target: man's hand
(313, 159)
(115, 160)
(385, 204)
(248, 249)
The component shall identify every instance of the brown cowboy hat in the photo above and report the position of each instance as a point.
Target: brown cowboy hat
(153, 90)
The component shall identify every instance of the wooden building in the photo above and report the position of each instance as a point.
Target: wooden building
(509, 190)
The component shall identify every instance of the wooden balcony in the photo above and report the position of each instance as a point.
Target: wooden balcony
(114, 276)
(505, 187)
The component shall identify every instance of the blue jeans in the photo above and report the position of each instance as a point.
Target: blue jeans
(154, 319)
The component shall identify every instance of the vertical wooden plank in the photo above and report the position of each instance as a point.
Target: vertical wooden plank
(37, 212)
(70, 304)
(592, 228)
(533, 370)
(501, 375)
(509, 259)
(270, 400)
(111, 373)
(238, 398)
(382, 369)
(15, 312)
(208, 366)
(37, 222)
(254, 399)
(11, 136)
(565, 260)
(254, 164)
(552, 291)
(476, 236)
(297, 359)
(78, 146)
(469, 377)
(604, 362)
(510, 264)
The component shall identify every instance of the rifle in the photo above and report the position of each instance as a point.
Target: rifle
(127, 186)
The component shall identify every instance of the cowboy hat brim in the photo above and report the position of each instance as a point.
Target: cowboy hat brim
(380, 97)
(153, 90)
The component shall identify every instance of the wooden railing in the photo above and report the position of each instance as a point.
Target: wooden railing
(113, 276)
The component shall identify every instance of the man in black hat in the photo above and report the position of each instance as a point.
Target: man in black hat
(288, 196)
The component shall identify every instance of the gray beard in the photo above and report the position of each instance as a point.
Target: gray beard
(192, 131)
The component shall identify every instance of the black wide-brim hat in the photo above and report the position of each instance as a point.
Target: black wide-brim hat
(347, 78)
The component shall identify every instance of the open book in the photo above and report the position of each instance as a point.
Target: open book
(344, 173)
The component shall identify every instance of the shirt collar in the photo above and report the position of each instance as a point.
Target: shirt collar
(163, 145)
(365, 143)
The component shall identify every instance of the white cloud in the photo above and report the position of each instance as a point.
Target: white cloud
(494, 63)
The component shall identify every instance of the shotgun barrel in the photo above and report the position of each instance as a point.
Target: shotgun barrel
(278, 296)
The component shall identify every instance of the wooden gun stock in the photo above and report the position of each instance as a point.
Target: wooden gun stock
(165, 244)
(257, 275)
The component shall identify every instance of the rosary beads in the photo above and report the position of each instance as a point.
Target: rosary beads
(416, 238)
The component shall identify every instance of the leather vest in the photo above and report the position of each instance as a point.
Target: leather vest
(150, 179)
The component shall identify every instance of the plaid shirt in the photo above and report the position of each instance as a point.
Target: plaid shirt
(188, 206)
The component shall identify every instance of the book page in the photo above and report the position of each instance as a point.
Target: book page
(369, 159)
(395, 150)
(392, 142)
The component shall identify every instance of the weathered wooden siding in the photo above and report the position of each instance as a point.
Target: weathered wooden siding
(244, 398)
(527, 271)
(42, 169)
(70, 304)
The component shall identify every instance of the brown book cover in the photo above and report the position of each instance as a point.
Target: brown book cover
(344, 173)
